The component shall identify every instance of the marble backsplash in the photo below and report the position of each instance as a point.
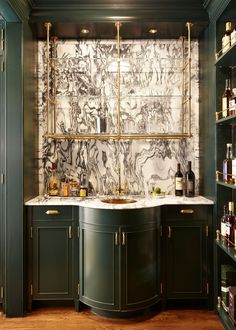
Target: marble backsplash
(150, 92)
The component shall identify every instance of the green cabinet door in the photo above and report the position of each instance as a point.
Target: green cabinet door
(51, 257)
(187, 251)
(99, 266)
(140, 266)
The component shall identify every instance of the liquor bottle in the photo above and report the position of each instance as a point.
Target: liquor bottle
(54, 182)
(230, 226)
(223, 224)
(178, 182)
(83, 190)
(227, 165)
(189, 182)
(226, 43)
(232, 103)
(225, 98)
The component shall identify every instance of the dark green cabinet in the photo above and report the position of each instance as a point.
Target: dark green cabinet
(52, 239)
(119, 259)
(187, 251)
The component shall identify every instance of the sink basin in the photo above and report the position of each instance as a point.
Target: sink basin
(118, 201)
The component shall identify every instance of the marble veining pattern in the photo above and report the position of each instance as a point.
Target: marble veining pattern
(86, 74)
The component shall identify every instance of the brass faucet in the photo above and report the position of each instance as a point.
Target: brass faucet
(117, 189)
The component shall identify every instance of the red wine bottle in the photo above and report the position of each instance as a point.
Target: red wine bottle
(189, 182)
(178, 182)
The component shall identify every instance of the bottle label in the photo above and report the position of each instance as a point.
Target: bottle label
(178, 183)
(225, 43)
(233, 37)
(223, 229)
(224, 107)
(190, 185)
(228, 226)
(83, 192)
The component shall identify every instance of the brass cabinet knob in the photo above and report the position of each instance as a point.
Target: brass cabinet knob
(52, 212)
(187, 211)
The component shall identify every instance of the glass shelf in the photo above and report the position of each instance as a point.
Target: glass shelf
(228, 58)
(230, 251)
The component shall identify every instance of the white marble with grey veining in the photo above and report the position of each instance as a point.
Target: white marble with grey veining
(96, 202)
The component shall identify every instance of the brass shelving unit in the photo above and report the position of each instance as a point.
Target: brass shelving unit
(51, 102)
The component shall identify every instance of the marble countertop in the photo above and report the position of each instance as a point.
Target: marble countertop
(142, 201)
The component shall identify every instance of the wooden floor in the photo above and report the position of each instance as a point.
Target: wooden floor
(66, 318)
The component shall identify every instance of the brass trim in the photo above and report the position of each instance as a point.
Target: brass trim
(31, 289)
(48, 27)
(183, 83)
(207, 231)
(187, 211)
(116, 238)
(52, 212)
(118, 25)
(189, 25)
(218, 302)
(2, 292)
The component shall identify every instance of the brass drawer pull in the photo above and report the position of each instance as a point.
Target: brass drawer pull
(169, 231)
(187, 211)
(123, 238)
(116, 238)
(52, 212)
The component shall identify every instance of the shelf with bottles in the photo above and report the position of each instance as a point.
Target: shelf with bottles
(225, 318)
(230, 251)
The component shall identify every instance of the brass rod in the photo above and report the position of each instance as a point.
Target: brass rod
(48, 26)
(116, 136)
(189, 25)
(54, 39)
(118, 25)
(183, 85)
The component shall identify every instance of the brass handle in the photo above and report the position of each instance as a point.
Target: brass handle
(187, 211)
(123, 238)
(218, 235)
(70, 232)
(52, 212)
(169, 232)
(116, 238)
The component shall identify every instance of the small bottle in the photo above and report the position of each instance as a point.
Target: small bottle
(83, 190)
(178, 182)
(227, 165)
(226, 43)
(230, 226)
(189, 182)
(225, 98)
(223, 224)
(54, 182)
(74, 191)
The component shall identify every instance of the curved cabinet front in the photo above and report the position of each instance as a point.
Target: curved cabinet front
(119, 259)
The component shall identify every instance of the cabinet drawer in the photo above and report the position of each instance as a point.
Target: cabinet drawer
(51, 212)
(187, 212)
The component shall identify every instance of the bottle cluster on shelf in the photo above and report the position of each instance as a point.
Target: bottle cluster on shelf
(187, 185)
(60, 186)
(228, 226)
(228, 104)
(228, 39)
(228, 173)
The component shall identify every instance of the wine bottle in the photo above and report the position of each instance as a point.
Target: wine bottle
(223, 224)
(230, 226)
(226, 40)
(189, 182)
(178, 182)
(227, 165)
(226, 98)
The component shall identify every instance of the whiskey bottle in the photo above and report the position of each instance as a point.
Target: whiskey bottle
(178, 182)
(223, 224)
(226, 98)
(54, 182)
(189, 182)
(83, 190)
(230, 226)
(227, 165)
(226, 43)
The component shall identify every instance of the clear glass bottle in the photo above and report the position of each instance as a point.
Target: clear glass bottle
(54, 182)
(226, 98)
(223, 224)
(227, 165)
(179, 182)
(189, 182)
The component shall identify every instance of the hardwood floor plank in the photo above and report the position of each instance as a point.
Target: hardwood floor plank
(68, 319)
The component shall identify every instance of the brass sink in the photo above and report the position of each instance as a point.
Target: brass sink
(118, 200)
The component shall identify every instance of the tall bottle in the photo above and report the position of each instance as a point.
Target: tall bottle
(223, 224)
(179, 182)
(230, 226)
(226, 40)
(189, 182)
(83, 190)
(227, 95)
(227, 165)
(54, 182)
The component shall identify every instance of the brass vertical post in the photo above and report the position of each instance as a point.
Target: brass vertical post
(118, 25)
(48, 26)
(54, 39)
(189, 25)
(183, 84)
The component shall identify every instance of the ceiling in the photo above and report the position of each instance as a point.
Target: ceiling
(169, 17)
